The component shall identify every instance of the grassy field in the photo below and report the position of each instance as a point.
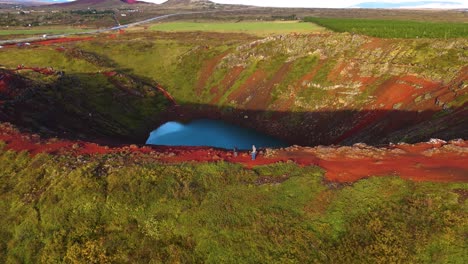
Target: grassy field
(394, 28)
(108, 209)
(257, 28)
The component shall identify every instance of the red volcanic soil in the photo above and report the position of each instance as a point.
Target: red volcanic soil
(255, 93)
(433, 161)
(433, 164)
(263, 96)
(110, 74)
(208, 70)
(229, 79)
(251, 85)
(394, 92)
(286, 104)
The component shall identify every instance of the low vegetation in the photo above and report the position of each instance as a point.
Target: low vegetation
(393, 28)
(112, 209)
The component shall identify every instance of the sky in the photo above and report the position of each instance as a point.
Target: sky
(333, 3)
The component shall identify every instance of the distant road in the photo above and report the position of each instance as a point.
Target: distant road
(97, 31)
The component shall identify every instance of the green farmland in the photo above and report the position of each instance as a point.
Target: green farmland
(257, 28)
(393, 28)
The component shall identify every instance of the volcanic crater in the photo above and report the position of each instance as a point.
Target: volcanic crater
(309, 90)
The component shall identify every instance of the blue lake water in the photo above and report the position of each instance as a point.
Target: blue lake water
(213, 133)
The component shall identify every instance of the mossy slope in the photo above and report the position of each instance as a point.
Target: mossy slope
(114, 209)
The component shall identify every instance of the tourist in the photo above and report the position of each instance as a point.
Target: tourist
(235, 151)
(254, 152)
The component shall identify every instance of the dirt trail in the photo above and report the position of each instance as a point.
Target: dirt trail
(433, 161)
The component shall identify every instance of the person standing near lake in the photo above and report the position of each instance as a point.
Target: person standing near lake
(235, 151)
(254, 152)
